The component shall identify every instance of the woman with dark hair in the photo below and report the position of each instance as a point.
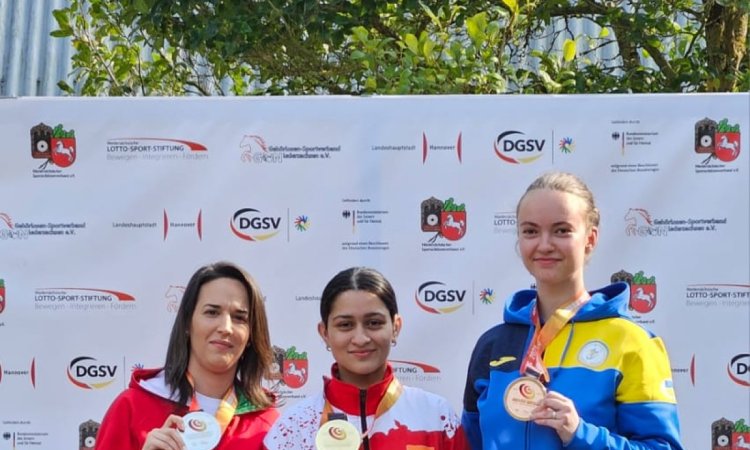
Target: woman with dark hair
(219, 350)
(363, 405)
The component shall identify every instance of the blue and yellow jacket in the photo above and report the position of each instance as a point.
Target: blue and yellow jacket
(616, 373)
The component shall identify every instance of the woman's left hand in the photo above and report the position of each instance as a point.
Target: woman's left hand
(558, 412)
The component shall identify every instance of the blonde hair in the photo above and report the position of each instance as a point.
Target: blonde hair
(570, 184)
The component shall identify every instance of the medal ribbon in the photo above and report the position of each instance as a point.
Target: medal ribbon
(392, 393)
(533, 362)
(226, 409)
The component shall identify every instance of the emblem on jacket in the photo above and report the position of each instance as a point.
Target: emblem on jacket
(593, 354)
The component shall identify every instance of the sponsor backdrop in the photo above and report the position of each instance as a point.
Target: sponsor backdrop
(108, 206)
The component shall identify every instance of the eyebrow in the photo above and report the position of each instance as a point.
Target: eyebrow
(351, 316)
(215, 306)
(556, 224)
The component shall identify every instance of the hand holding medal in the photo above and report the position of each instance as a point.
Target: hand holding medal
(559, 413)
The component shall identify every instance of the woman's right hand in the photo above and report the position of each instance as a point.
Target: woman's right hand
(167, 437)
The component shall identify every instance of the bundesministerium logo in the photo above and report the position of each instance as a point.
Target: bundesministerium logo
(447, 219)
(719, 140)
(53, 145)
(642, 290)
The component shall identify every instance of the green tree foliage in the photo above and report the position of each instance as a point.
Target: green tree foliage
(242, 47)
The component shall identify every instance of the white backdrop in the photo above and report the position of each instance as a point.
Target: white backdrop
(107, 206)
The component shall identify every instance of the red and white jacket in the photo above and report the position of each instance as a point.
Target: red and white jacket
(147, 403)
(416, 420)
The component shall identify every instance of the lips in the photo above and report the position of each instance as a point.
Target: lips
(361, 354)
(546, 261)
(222, 345)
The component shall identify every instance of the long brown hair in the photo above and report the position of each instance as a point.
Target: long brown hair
(257, 356)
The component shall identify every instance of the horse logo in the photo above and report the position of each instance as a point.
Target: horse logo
(174, 296)
(719, 140)
(642, 297)
(252, 143)
(642, 290)
(453, 225)
(727, 146)
(447, 219)
(295, 372)
(53, 145)
(290, 368)
(7, 220)
(636, 219)
(63, 151)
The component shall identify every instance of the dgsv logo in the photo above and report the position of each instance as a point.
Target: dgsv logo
(739, 369)
(516, 150)
(85, 373)
(433, 298)
(251, 225)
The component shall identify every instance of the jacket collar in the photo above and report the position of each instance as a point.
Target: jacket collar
(346, 397)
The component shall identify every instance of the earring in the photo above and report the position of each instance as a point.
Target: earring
(328, 348)
(393, 343)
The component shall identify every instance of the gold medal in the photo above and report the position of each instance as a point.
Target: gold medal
(337, 434)
(522, 396)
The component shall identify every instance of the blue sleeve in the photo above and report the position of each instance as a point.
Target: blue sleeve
(476, 382)
(470, 423)
(663, 436)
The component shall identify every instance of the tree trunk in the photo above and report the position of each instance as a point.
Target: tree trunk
(726, 44)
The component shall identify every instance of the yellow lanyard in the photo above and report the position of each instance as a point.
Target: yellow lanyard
(226, 409)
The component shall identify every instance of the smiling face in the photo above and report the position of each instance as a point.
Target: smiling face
(554, 237)
(219, 328)
(359, 332)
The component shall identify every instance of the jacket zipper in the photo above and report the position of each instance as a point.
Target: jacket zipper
(363, 417)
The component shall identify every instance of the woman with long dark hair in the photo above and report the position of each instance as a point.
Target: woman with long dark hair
(218, 352)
